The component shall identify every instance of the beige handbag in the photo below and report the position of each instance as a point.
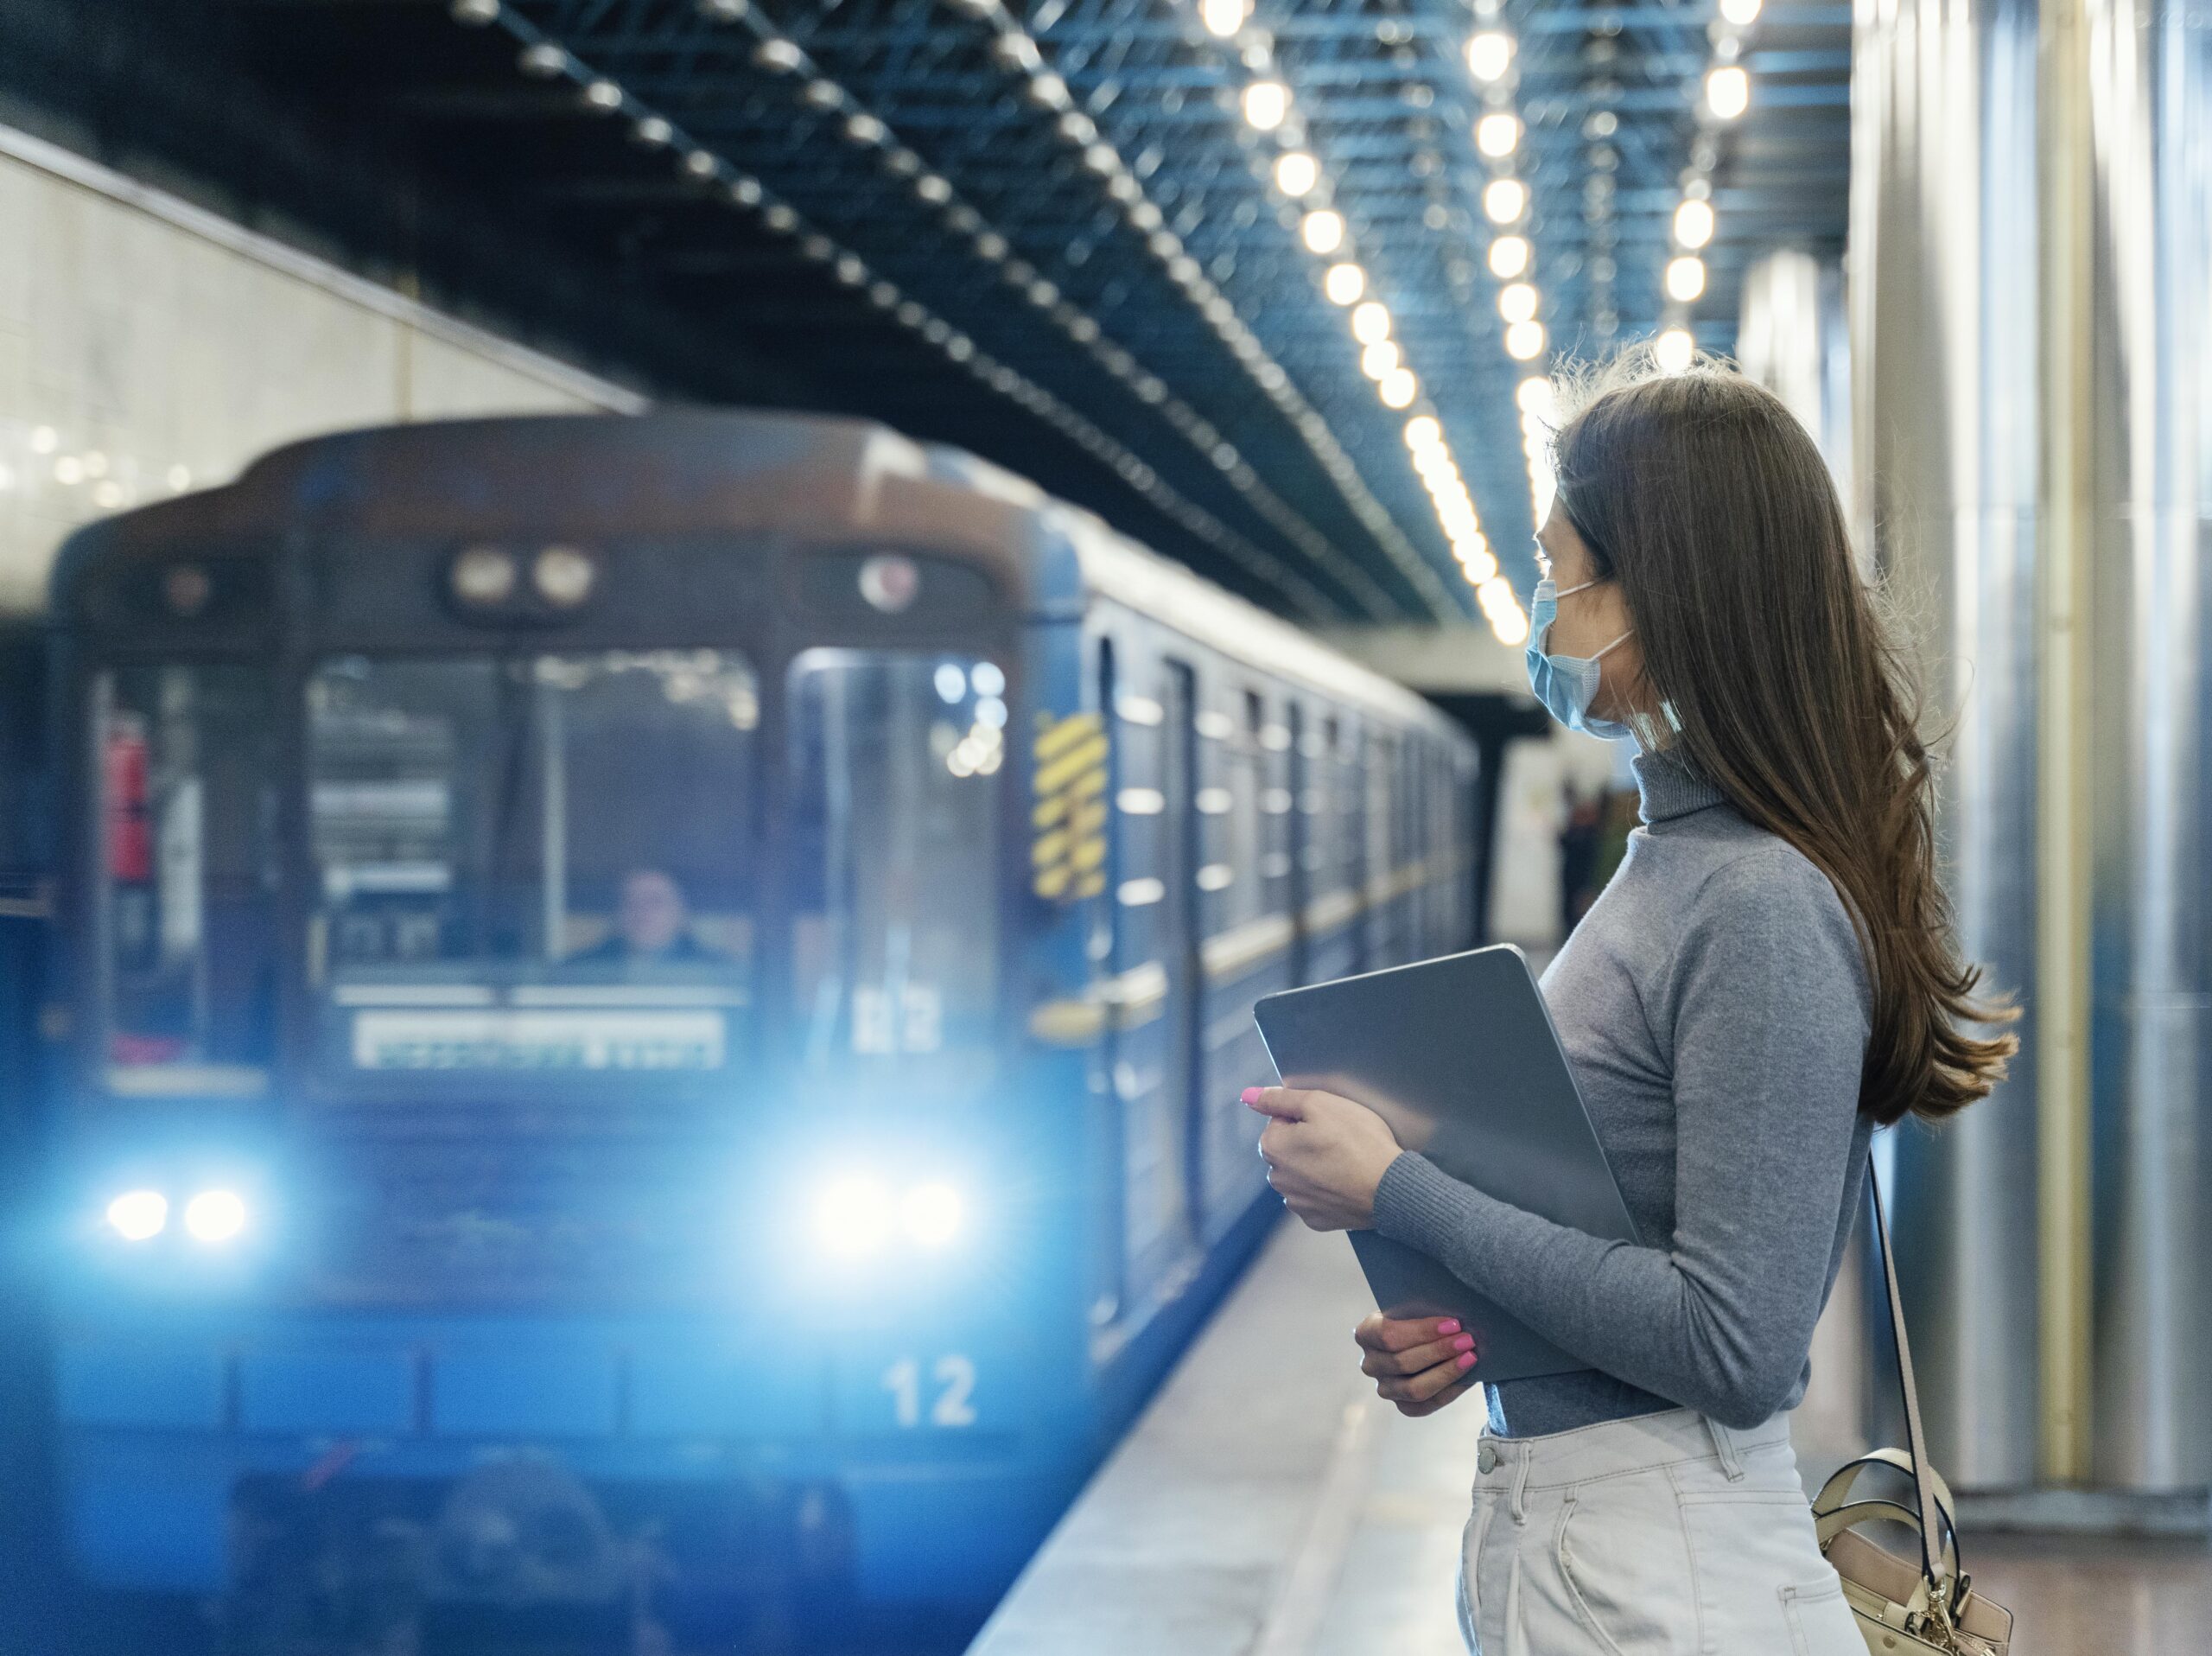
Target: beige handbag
(1906, 1606)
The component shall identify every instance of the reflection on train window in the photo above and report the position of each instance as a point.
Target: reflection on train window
(894, 941)
(539, 863)
(188, 865)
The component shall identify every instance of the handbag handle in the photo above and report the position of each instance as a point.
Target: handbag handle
(1922, 1491)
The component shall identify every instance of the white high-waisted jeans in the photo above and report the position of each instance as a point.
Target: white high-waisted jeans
(1668, 1535)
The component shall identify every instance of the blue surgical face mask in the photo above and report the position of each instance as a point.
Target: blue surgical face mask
(1567, 684)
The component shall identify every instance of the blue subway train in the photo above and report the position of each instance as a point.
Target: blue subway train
(658, 1004)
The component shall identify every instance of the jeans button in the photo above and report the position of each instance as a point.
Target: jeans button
(1486, 1458)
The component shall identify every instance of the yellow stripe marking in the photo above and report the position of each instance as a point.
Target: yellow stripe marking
(1066, 735)
(1071, 765)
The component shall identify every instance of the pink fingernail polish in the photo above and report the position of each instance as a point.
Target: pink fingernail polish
(1467, 1360)
(1450, 1325)
(1250, 1095)
(1464, 1343)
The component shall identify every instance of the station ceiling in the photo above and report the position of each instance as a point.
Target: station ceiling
(1054, 231)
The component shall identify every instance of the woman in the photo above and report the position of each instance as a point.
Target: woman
(1769, 976)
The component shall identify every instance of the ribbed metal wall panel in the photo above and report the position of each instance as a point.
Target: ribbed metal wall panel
(2150, 109)
(1943, 261)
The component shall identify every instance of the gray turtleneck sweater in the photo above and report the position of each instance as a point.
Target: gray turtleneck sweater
(1713, 1006)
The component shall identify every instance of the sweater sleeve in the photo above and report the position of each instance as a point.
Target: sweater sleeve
(1770, 1025)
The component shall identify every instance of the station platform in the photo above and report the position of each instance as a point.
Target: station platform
(1269, 1504)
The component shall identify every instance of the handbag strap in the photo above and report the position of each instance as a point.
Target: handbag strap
(1922, 1491)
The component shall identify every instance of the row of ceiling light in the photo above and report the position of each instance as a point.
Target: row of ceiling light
(1269, 107)
(1492, 53)
(542, 57)
(1014, 49)
(1727, 94)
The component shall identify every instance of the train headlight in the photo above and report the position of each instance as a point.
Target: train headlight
(931, 1213)
(852, 1216)
(562, 575)
(138, 1216)
(483, 575)
(215, 1216)
(858, 1215)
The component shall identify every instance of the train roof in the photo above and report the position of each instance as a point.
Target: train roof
(796, 477)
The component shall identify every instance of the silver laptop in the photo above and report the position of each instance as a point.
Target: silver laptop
(1459, 1056)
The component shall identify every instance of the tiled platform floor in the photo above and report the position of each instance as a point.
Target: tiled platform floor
(1268, 1505)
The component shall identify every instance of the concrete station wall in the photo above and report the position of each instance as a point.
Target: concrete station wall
(148, 346)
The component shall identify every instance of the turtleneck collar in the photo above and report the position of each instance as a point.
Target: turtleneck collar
(1668, 787)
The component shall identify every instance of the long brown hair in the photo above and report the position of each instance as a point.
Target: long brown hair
(1701, 495)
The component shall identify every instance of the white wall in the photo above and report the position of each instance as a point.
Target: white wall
(148, 346)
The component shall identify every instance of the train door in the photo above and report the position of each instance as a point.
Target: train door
(1297, 829)
(1110, 1142)
(1379, 823)
(1153, 1035)
(1180, 929)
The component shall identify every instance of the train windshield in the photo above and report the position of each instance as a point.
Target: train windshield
(188, 856)
(895, 944)
(533, 863)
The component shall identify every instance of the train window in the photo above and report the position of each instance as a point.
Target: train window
(188, 867)
(1348, 793)
(533, 862)
(1242, 893)
(895, 869)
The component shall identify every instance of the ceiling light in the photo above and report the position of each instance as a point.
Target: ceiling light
(724, 12)
(1323, 231)
(1517, 301)
(1399, 388)
(1343, 284)
(1423, 431)
(603, 94)
(1694, 223)
(1742, 13)
(1673, 350)
(475, 13)
(1370, 322)
(1535, 396)
(1017, 51)
(1489, 55)
(542, 59)
(1685, 278)
(1728, 92)
(1378, 359)
(777, 56)
(1266, 104)
(1297, 173)
(1508, 257)
(1524, 340)
(1224, 18)
(653, 132)
(1499, 134)
(1505, 200)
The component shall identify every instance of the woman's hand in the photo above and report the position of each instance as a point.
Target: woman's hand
(1324, 1154)
(1419, 1363)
